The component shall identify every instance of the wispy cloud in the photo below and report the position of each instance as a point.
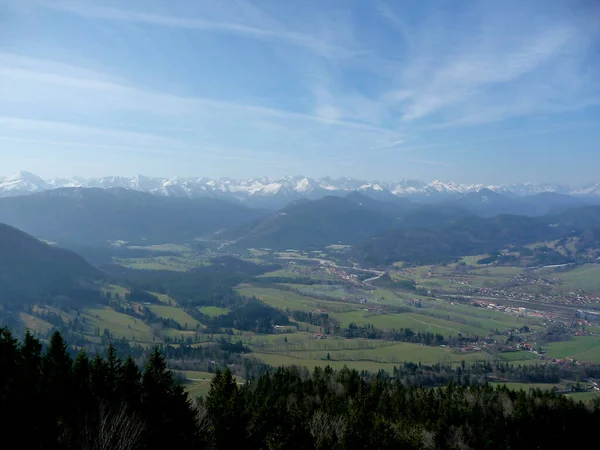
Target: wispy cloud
(40, 76)
(276, 34)
(469, 69)
(16, 126)
(429, 162)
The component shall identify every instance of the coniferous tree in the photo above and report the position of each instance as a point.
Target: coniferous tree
(224, 407)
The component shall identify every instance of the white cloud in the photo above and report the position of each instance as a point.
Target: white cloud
(273, 32)
(488, 65)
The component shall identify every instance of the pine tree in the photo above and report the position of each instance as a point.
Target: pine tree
(170, 417)
(129, 383)
(224, 407)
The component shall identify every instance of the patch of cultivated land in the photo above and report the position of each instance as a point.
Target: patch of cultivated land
(35, 323)
(385, 357)
(484, 318)
(290, 300)
(175, 313)
(526, 386)
(586, 278)
(214, 311)
(415, 322)
(581, 348)
(178, 264)
(114, 290)
(283, 273)
(518, 357)
(584, 396)
(121, 325)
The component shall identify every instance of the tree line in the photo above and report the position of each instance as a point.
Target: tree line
(51, 400)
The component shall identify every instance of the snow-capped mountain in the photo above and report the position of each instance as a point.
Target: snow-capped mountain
(277, 192)
(22, 183)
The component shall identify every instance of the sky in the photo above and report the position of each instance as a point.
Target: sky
(471, 91)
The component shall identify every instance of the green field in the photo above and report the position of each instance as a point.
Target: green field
(114, 289)
(386, 357)
(287, 273)
(214, 311)
(121, 325)
(175, 313)
(163, 298)
(586, 278)
(35, 323)
(415, 322)
(581, 348)
(290, 300)
(519, 357)
(526, 386)
(584, 396)
(197, 384)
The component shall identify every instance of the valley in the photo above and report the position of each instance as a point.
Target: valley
(337, 313)
(338, 281)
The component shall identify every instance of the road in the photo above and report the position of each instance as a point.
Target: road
(326, 262)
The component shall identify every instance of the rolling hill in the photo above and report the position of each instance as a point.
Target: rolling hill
(94, 216)
(346, 220)
(475, 235)
(32, 271)
(313, 223)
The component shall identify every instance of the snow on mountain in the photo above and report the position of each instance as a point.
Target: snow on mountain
(593, 189)
(22, 183)
(283, 189)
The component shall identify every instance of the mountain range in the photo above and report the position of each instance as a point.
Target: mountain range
(93, 216)
(275, 193)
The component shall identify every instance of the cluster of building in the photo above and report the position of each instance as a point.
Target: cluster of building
(517, 311)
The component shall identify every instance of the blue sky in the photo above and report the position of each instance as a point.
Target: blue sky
(472, 91)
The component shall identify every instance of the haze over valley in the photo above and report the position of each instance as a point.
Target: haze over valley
(353, 225)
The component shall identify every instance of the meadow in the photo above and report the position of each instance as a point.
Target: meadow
(175, 313)
(581, 348)
(120, 325)
(586, 278)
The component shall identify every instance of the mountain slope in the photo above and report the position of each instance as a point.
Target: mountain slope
(94, 216)
(32, 271)
(474, 235)
(310, 224)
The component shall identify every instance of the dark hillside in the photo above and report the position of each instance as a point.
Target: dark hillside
(95, 216)
(32, 271)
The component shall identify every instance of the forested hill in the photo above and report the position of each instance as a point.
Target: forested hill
(310, 224)
(50, 400)
(33, 271)
(472, 236)
(93, 216)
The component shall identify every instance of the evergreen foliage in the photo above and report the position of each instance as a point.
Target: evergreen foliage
(49, 400)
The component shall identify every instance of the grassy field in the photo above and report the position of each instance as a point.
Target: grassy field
(163, 248)
(290, 300)
(214, 311)
(518, 357)
(121, 325)
(165, 298)
(477, 317)
(197, 384)
(372, 362)
(174, 263)
(175, 313)
(582, 348)
(526, 386)
(415, 322)
(584, 396)
(114, 289)
(35, 323)
(586, 277)
(288, 273)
